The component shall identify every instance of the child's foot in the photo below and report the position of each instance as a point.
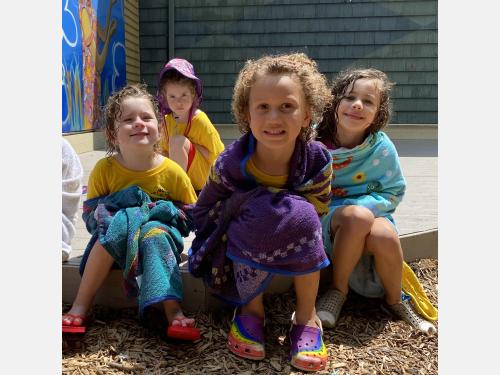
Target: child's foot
(76, 316)
(307, 349)
(75, 321)
(246, 336)
(405, 311)
(175, 316)
(179, 326)
(329, 306)
(182, 321)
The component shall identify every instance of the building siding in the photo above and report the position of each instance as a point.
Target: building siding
(131, 16)
(217, 36)
(153, 26)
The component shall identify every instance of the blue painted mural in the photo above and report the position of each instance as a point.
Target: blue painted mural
(93, 60)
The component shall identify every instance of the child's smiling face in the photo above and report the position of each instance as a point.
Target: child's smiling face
(137, 125)
(277, 111)
(358, 108)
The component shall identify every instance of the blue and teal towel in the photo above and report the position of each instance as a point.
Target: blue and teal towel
(144, 238)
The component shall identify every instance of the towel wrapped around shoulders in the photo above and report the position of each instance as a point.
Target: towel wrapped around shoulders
(246, 233)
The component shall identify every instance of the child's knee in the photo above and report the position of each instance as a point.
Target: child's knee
(98, 247)
(356, 218)
(384, 242)
(179, 142)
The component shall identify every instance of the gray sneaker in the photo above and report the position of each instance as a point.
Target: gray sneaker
(405, 311)
(328, 307)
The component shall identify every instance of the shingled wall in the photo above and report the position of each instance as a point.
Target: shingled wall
(217, 36)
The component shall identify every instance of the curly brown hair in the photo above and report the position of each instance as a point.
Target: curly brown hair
(113, 111)
(301, 68)
(327, 129)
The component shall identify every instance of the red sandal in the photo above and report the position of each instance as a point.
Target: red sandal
(81, 327)
(183, 333)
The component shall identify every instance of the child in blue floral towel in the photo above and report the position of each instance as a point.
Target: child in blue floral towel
(359, 232)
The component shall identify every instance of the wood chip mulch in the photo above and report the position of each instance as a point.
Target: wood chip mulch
(366, 340)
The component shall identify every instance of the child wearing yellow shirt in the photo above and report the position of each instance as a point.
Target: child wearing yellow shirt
(191, 139)
(133, 137)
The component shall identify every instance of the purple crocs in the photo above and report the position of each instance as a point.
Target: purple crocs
(307, 350)
(246, 337)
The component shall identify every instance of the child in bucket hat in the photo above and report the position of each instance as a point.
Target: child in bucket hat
(191, 139)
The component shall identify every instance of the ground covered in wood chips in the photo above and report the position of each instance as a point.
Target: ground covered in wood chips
(366, 340)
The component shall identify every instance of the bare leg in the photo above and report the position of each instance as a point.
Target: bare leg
(383, 243)
(350, 225)
(96, 270)
(179, 150)
(174, 314)
(255, 307)
(306, 290)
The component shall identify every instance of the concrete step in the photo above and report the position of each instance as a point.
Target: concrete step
(196, 297)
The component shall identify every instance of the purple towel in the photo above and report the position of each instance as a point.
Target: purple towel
(245, 232)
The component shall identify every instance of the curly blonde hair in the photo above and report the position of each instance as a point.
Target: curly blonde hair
(298, 66)
(113, 111)
(327, 129)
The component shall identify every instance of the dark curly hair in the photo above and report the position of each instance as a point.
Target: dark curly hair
(327, 129)
(113, 111)
(298, 66)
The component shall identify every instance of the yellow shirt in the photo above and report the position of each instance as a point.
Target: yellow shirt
(201, 132)
(167, 181)
(263, 178)
(279, 182)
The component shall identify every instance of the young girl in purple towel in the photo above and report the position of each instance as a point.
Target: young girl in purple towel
(259, 214)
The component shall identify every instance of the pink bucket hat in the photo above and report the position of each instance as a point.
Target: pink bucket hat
(185, 68)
